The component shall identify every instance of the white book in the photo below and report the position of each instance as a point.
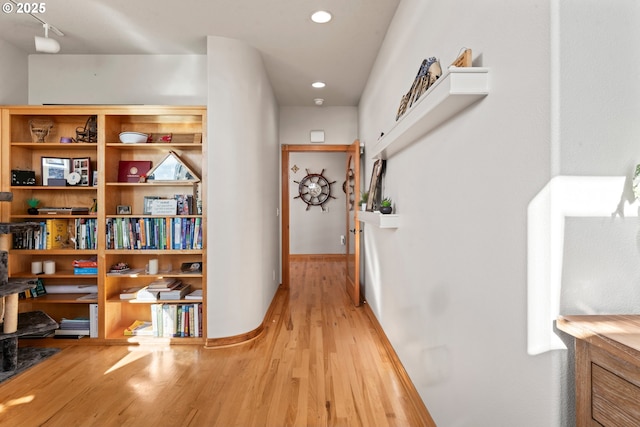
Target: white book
(72, 332)
(195, 295)
(145, 294)
(93, 320)
(130, 293)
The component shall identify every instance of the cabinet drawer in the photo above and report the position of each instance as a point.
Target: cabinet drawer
(615, 400)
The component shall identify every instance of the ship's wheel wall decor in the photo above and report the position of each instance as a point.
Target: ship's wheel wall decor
(314, 189)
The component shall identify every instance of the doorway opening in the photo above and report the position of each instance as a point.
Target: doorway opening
(286, 180)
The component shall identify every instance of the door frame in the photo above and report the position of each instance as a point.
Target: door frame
(285, 203)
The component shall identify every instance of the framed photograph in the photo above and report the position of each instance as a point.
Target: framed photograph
(82, 165)
(55, 171)
(374, 185)
(124, 210)
(148, 204)
(95, 179)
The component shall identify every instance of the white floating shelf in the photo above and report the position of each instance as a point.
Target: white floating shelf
(379, 220)
(450, 94)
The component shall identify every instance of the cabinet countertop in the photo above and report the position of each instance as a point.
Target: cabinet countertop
(614, 332)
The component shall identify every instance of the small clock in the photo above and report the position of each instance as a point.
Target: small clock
(74, 178)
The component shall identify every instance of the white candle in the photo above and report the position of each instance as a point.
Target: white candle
(153, 266)
(36, 267)
(49, 267)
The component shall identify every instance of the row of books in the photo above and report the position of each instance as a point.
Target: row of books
(169, 321)
(176, 320)
(59, 233)
(154, 233)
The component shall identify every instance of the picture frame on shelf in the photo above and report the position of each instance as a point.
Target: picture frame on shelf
(82, 165)
(147, 207)
(164, 207)
(123, 210)
(55, 170)
(374, 184)
(94, 180)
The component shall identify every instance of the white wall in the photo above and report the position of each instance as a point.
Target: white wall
(598, 141)
(450, 285)
(317, 231)
(118, 79)
(340, 124)
(13, 75)
(243, 191)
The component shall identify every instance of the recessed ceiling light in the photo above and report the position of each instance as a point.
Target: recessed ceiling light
(321, 17)
(318, 85)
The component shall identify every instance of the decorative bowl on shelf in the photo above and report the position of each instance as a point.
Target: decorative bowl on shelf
(133, 137)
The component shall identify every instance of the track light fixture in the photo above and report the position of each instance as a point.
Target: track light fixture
(45, 44)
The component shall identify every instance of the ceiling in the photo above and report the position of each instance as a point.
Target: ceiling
(296, 51)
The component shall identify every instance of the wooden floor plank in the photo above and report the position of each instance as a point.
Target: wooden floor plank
(319, 362)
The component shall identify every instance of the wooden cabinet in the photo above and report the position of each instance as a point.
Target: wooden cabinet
(176, 131)
(607, 364)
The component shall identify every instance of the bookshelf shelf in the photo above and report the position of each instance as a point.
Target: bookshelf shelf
(188, 127)
(64, 298)
(456, 90)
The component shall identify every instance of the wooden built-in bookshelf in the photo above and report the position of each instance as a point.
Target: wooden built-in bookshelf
(19, 152)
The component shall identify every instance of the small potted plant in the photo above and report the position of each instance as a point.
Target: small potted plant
(364, 198)
(33, 206)
(386, 206)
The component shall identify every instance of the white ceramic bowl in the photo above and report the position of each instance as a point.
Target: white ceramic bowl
(133, 137)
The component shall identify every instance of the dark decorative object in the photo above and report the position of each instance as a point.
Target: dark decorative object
(33, 206)
(386, 206)
(314, 189)
(89, 133)
(23, 177)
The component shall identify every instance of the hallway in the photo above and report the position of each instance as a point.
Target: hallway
(319, 362)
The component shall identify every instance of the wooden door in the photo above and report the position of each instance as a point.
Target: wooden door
(352, 258)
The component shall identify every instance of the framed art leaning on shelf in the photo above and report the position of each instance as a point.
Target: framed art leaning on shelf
(55, 170)
(374, 185)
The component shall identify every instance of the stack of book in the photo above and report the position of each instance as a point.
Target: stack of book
(85, 266)
(73, 328)
(153, 290)
(176, 293)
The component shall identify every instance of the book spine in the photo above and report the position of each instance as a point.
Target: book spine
(85, 270)
(196, 321)
(93, 320)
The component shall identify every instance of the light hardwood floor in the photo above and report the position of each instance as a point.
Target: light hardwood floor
(320, 362)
